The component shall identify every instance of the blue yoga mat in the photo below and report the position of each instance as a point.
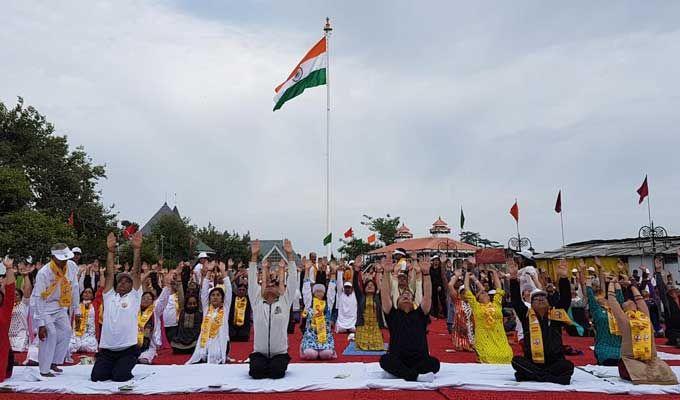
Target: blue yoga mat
(351, 350)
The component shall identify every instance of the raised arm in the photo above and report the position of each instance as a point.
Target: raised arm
(563, 286)
(164, 297)
(515, 294)
(307, 286)
(254, 290)
(111, 251)
(614, 305)
(331, 291)
(136, 242)
(427, 285)
(27, 288)
(385, 287)
(639, 300)
(292, 280)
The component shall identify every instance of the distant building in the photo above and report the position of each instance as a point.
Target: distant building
(633, 251)
(438, 243)
(272, 251)
(147, 229)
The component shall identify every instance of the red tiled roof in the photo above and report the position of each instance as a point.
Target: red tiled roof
(403, 229)
(428, 243)
(440, 222)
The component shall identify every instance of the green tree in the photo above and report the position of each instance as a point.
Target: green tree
(352, 248)
(386, 227)
(32, 233)
(60, 181)
(226, 245)
(172, 236)
(476, 239)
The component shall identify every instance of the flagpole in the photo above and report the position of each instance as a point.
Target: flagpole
(327, 34)
(564, 246)
(519, 237)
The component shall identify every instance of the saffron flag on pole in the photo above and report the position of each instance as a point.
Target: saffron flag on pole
(643, 191)
(349, 233)
(558, 204)
(310, 72)
(514, 211)
(371, 239)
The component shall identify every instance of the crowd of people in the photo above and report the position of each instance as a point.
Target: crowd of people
(126, 313)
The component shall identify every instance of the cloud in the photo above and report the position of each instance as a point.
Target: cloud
(434, 108)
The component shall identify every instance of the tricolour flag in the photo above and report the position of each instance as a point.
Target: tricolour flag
(310, 72)
(643, 191)
(514, 211)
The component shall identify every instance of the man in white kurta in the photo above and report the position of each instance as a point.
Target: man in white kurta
(347, 307)
(55, 294)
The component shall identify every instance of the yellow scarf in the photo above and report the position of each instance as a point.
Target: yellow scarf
(319, 320)
(641, 335)
(240, 312)
(210, 326)
(536, 335)
(84, 311)
(613, 325)
(59, 279)
(142, 320)
(101, 314)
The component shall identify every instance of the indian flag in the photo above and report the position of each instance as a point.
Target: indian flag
(310, 72)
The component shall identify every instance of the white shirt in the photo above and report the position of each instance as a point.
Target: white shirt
(347, 306)
(270, 321)
(197, 273)
(50, 306)
(119, 329)
(170, 312)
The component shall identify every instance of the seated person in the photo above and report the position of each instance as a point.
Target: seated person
(639, 361)
(542, 323)
(408, 355)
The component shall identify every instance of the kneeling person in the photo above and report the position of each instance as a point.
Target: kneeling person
(271, 302)
(408, 355)
(118, 350)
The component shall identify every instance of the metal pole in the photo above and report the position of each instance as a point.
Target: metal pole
(564, 246)
(327, 34)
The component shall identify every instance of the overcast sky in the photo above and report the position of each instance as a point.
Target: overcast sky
(437, 107)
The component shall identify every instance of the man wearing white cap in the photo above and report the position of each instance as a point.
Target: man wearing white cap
(54, 294)
(347, 307)
(202, 261)
(77, 254)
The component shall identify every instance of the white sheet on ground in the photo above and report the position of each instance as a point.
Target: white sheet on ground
(661, 354)
(155, 379)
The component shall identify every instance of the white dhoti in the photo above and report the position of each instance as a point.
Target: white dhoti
(149, 354)
(54, 348)
(83, 344)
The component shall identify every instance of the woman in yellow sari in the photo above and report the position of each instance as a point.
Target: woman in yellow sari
(491, 343)
(639, 361)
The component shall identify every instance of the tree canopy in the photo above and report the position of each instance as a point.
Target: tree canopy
(476, 239)
(385, 227)
(43, 183)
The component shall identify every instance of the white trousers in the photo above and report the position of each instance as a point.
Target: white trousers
(54, 348)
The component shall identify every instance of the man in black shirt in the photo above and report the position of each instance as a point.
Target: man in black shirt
(408, 356)
(544, 363)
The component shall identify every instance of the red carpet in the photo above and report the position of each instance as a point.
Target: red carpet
(439, 342)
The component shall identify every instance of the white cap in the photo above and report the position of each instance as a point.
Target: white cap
(591, 269)
(492, 291)
(347, 284)
(538, 291)
(574, 270)
(526, 254)
(435, 257)
(203, 254)
(398, 252)
(77, 250)
(63, 254)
